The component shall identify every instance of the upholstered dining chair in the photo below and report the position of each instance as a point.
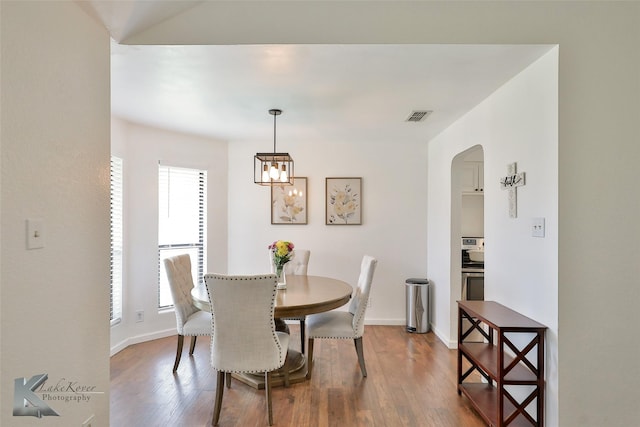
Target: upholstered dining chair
(298, 265)
(344, 324)
(190, 321)
(244, 337)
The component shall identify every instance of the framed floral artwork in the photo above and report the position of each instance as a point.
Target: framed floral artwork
(289, 202)
(343, 201)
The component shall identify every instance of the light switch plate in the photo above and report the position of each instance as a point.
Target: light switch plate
(35, 233)
(537, 227)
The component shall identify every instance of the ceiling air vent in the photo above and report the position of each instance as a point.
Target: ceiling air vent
(418, 116)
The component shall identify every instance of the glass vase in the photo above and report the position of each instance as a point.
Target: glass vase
(282, 279)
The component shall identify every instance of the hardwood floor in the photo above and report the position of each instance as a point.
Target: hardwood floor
(411, 382)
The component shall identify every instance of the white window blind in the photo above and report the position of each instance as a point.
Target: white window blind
(181, 222)
(115, 312)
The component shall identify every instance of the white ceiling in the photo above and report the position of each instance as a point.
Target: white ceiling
(341, 92)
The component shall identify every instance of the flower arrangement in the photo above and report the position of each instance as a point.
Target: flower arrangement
(281, 250)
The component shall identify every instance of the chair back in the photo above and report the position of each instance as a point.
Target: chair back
(297, 265)
(244, 333)
(178, 270)
(360, 297)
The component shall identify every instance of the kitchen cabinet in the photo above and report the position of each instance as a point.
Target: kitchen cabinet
(472, 178)
(507, 388)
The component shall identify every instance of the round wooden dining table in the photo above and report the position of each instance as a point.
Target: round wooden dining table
(303, 295)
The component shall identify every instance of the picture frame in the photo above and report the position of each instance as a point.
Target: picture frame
(343, 201)
(289, 203)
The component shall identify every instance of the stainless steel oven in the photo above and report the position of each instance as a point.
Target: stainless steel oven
(472, 280)
(473, 286)
(472, 271)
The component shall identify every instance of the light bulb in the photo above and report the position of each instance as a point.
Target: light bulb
(265, 173)
(273, 172)
(283, 175)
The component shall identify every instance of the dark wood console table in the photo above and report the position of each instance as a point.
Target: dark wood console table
(510, 360)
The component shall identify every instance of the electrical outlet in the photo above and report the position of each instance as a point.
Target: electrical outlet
(140, 316)
(537, 227)
(89, 421)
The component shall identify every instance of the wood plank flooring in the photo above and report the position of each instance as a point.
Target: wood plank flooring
(411, 382)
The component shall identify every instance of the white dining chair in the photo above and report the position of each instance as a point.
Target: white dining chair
(244, 337)
(337, 324)
(298, 265)
(190, 321)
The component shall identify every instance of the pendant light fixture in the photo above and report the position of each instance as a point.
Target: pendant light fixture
(273, 168)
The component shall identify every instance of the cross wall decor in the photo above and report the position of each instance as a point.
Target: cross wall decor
(511, 182)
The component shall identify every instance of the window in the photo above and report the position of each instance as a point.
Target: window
(115, 311)
(181, 223)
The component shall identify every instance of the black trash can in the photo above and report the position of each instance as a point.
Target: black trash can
(417, 297)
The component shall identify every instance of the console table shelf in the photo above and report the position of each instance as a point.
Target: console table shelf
(511, 357)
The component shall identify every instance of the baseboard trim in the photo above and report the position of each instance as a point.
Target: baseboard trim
(451, 345)
(385, 322)
(141, 338)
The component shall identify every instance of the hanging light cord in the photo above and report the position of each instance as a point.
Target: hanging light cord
(274, 133)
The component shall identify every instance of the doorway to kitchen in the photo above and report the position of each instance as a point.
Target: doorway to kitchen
(467, 226)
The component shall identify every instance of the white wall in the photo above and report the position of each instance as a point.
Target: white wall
(394, 214)
(55, 166)
(141, 148)
(521, 271)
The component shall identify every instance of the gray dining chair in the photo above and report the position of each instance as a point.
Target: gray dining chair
(349, 324)
(244, 337)
(298, 265)
(190, 320)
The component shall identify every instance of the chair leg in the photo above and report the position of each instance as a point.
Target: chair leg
(309, 358)
(193, 345)
(284, 371)
(267, 389)
(302, 337)
(359, 350)
(178, 352)
(227, 379)
(218, 401)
